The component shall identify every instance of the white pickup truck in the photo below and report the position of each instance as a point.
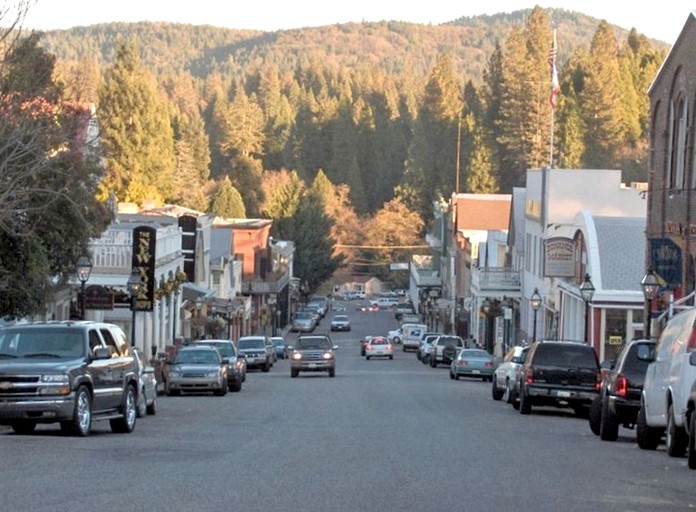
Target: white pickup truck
(384, 302)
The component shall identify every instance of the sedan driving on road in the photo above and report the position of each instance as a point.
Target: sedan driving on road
(340, 323)
(379, 346)
(198, 369)
(473, 362)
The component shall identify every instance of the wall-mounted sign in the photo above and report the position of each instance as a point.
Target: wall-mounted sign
(99, 297)
(144, 238)
(559, 257)
(667, 260)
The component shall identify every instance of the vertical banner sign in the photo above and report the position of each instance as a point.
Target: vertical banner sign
(144, 238)
(667, 261)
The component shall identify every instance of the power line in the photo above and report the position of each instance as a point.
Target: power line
(341, 246)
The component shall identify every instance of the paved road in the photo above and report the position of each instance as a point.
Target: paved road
(382, 436)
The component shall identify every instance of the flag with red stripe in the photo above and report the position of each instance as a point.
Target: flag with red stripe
(555, 86)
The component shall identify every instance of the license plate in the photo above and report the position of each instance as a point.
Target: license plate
(563, 394)
(312, 365)
(475, 371)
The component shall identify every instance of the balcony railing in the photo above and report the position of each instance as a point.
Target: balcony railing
(274, 282)
(496, 279)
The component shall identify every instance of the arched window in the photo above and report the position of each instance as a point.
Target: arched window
(677, 143)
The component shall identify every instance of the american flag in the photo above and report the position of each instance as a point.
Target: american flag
(555, 87)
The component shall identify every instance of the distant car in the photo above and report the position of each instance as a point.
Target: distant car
(254, 348)
(198, 368)
(147, 392)
(505, 375)
(378, 346)
(303, 322)
(366, 308)
(425, 347)
(444, 349)
(403, 308)
(236, 371)
(395, 336)
(340, 323)
(473, 362)
(280, 347)
(271, 349)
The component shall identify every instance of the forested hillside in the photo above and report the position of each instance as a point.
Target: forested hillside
(379, 119)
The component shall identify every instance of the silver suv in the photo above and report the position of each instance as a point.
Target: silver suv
(313, 353)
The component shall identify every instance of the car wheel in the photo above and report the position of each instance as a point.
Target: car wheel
(648, 437)
(142, 403)
(367, 357)
(595, 415)
(126, 423)
(236, 386)
(391, 357)
(507, 392)
(151, 409)
(266, 366)
(691, 448)
(81, 421)
(496, 392)
(23, 427)
(332, 372)
(223, 391)
(418, 355)
(676, 439)
(608, 426)
(294, 373)
(451, 375)
(433, 362)
(525, 404)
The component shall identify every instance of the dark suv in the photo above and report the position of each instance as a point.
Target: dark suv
(618, 401)
(313, 353)
(559, 374)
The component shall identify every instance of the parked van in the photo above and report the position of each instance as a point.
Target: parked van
(667, 386)
(411, 335)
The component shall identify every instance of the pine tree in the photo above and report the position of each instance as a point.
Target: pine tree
(227, 202)
(135, 132)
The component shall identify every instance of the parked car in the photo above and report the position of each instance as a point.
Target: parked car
(70, 360)
(196, 369)
(270, 348)
(425, 346)
(340, 323)
(473, 362)
(280, 348)
(559, 374)
(667, 387)
(395, 335)
(618, 401)
(506, 374)
(379, 346)
(236, 370)
(403, 308)
(313, 353)
(691, 430)
(147, 388)
(444, 349)
(256, 352)
(303, 322)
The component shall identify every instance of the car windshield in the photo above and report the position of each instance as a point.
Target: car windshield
(197, 357)
(303, 315)
(474, 354)
(42, 343)
(313, 343)
(279, 343)
(378, 341)
(225, 349)
(252, 343)
(340, 318)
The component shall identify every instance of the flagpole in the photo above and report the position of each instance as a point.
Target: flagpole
(555, 89)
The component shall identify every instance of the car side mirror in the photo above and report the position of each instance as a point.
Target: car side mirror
(290, 347)
(692, 359)
(647, 353)
(335, 347)
(225, 360)
(102, 353)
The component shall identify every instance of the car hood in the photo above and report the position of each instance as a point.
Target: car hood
(187, 367)
(38, 365)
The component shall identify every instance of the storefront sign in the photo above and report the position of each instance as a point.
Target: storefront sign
(667, 260)
(559, 257)
(144, 238)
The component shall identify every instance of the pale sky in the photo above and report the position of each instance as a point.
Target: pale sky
(662, 20)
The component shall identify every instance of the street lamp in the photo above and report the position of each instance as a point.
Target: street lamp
(134, 285)
(535, 302)
(587, 290)
(84, 269)
(229, 310)
(651, 283)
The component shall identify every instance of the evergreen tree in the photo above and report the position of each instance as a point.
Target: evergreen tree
(228, 203)
(135, 133)
(283, 191)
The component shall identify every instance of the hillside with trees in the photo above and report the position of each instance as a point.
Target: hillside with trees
(369, 122)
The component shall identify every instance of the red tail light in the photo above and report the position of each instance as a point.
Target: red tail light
(461, 363)
(489, 364)
(598, 381)
(691, 345)
(621, 386)
(529, 375)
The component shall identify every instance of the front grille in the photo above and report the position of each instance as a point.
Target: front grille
(312, 356)
(194, 375)
(16, 385)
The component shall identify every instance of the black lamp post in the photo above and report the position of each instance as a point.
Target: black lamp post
(134, 285)
(535, 302)
(651, 283)
(587, 290)
(175, 304)
(229, 310)
(83, 266)
(199, 307)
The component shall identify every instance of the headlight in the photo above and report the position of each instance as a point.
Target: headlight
(296, 356)
(212, 375)
(54, 385)
(327, 355)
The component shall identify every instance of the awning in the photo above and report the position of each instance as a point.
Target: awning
(191, 292)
